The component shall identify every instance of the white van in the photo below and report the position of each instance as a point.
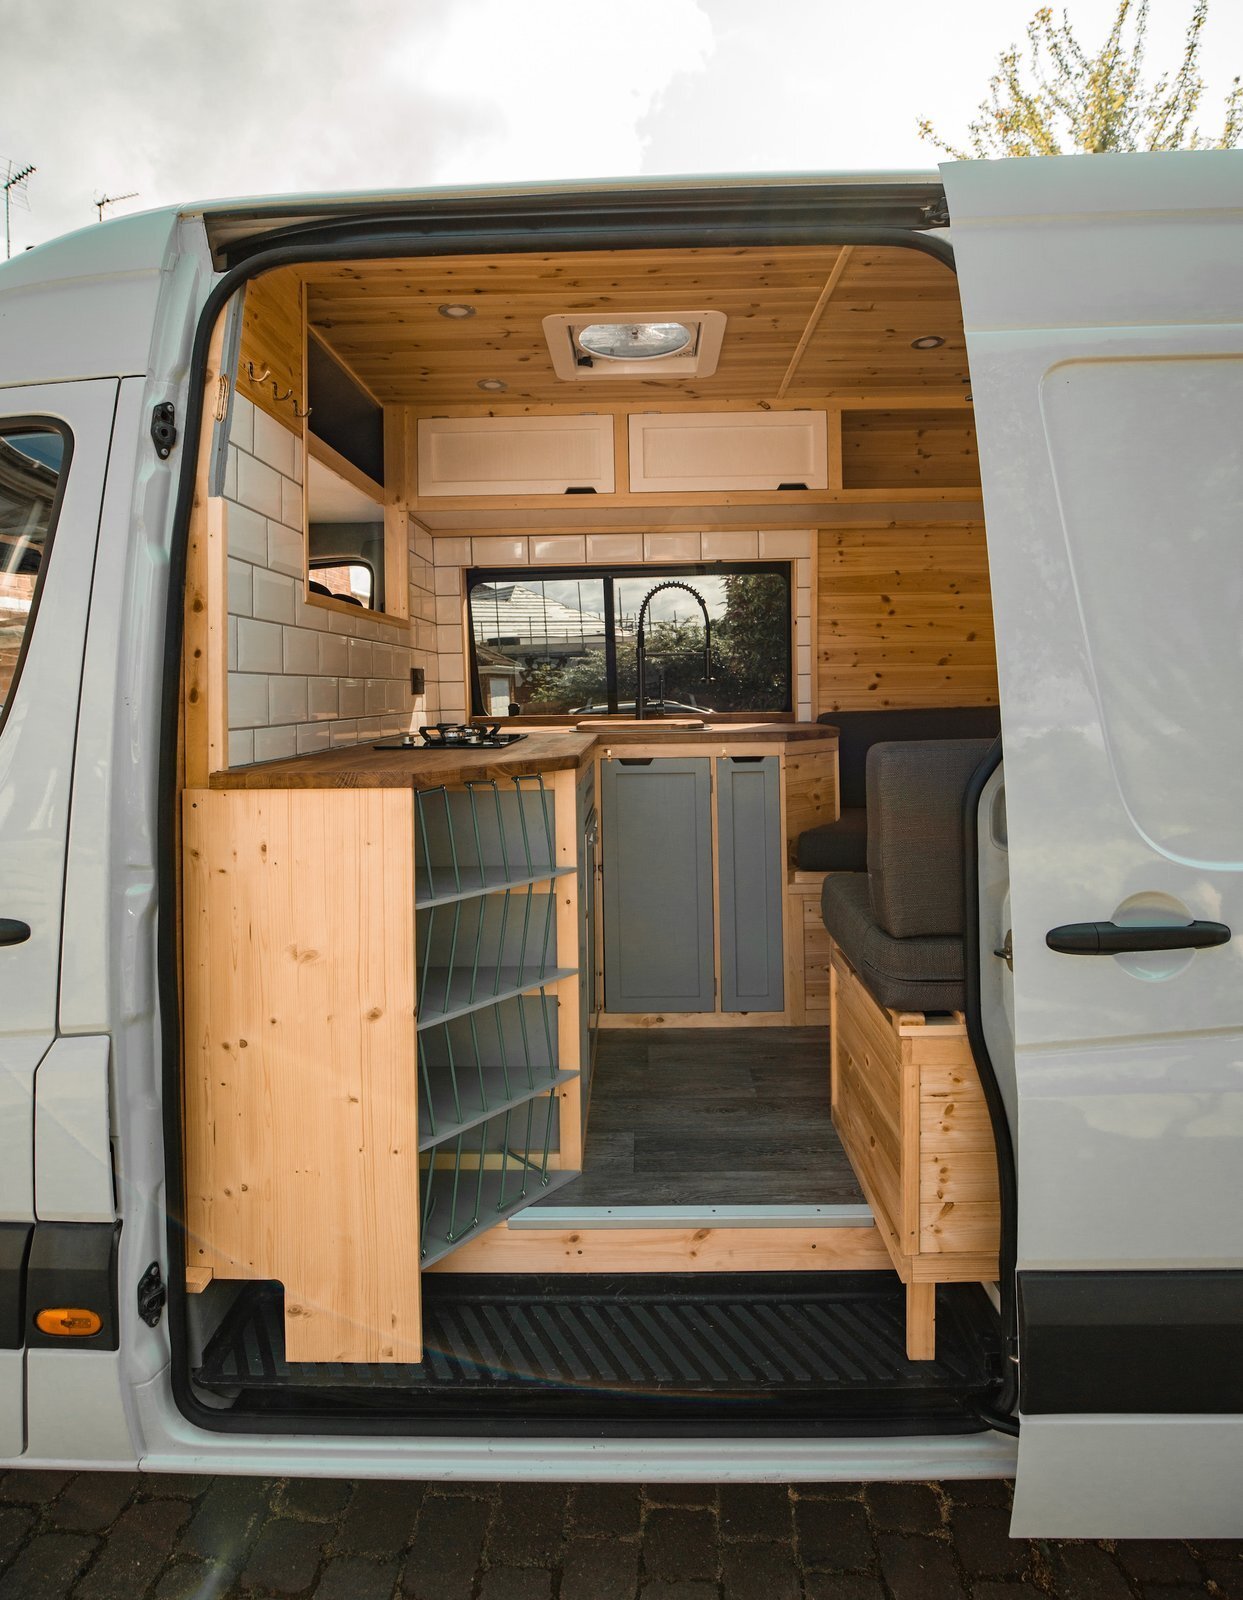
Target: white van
(517, 959)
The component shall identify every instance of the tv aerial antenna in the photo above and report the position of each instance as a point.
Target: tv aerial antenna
(14, 186)
(102, 201)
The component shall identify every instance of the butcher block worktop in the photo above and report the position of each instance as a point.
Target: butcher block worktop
(542, 750)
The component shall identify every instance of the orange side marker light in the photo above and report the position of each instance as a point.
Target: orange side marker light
(69, 1322)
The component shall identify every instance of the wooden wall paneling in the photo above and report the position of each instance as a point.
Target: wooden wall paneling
(301, 1135)
(205, 552)
(272, 338)
(904, 617)
(907, 449)
(810, 790)
(396, 515)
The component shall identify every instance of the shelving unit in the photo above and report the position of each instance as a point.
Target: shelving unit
(497, 1062)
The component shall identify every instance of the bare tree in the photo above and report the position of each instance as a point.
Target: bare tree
(1064, 99)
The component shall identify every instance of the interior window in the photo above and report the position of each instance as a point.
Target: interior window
(714, 639)
(345, 538)
(32, 460)
(352, 581)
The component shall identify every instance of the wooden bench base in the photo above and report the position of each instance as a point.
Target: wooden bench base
(908, 1106)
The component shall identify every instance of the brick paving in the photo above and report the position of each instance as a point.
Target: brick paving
(103, 1536)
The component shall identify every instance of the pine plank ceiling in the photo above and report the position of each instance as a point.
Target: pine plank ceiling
(382, 318)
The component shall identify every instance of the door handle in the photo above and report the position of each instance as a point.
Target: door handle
(1108, 939)
(13, 932)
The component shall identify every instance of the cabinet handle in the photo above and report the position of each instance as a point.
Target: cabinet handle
(635, 761)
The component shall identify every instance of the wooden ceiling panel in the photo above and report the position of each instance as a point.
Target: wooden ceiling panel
(382, 318)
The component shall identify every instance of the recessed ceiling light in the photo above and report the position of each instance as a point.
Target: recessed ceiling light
(492, 385)
(456, 311)
(930, 341)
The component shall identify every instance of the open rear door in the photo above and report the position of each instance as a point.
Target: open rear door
(1103, 303)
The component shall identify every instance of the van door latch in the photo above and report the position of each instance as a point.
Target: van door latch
(163, 433)
(1006, 952)
(151, 1295)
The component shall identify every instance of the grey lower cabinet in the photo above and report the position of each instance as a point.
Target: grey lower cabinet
(751, 866)
(656, 832)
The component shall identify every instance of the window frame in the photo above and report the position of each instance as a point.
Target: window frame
(608, 575)
(322, 563)
(37, 424)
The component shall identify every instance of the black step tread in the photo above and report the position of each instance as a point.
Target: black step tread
(799, 1344)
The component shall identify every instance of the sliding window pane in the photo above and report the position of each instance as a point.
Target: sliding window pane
(540, 645)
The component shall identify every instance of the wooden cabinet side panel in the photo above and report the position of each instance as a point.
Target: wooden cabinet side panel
(301, 1110)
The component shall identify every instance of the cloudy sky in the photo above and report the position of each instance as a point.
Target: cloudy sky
(196, 99)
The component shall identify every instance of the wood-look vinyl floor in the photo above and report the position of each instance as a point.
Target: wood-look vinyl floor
(705, 1116)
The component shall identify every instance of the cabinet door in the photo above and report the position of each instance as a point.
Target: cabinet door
(657, 825)
(751, 864)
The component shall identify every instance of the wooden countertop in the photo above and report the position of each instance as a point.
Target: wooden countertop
(542, 750)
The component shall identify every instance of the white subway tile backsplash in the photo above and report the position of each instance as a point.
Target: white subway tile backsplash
(232, 644)
(312, 736)
(286, 700)
(360, 658)
(448, 610)
(301, 651)
(297, 460)
(275, 744)
(258, 486)
(671, 547)
(563, 550)
(292, 512)
(344, 733)
(259, 646)
(286, 552)
(802, 572)
(310, 616)
(803, 663)
(273, 443)
(239, 588)
(785, 545)
(448, 580)
(247, 534)
(368, 727)
(509, 551)
(376, 697)
(615, 547)
(334, 654)
(241, 747)
(802, 630)
(322, 699)
(449, 639)
(248, 700)
(451, 552)
(230, 473)
(274, 596)
(353, 696)
(729, 546)
(242, 423)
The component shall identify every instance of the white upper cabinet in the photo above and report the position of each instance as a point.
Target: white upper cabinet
(705, 450)
(515, 455)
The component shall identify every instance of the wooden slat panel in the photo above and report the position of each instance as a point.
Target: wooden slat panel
(895, 449)
(811, 791)
(904, 618)
(670, 1250)
(301, 1136)
(272, 338)
(382, 318)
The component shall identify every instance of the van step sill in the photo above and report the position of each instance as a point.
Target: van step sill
(543, 1215)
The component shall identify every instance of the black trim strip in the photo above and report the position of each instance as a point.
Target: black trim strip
(760, 225)
(1131, 1342)
(1000, 1411)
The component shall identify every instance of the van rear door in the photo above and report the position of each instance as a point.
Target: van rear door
(1103, 303)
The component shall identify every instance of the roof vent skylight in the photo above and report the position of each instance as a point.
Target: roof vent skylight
(676, 344)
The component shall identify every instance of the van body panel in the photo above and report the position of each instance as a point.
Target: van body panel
(1104, 317)
(77, 1404)
(83, 306)
(73, 1133)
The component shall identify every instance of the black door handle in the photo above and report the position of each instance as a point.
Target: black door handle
(13, 932)
(1108, 939)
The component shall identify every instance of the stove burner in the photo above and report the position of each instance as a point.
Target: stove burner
(454, 736)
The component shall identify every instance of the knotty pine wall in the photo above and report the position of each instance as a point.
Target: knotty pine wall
(904, 617)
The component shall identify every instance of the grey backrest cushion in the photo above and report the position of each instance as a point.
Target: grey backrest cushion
(858, 731)
(915, 795)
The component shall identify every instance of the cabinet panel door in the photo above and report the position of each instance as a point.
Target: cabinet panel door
(751, 866)
(657, 825)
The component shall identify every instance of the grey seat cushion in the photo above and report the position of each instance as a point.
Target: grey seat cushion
(915, 974)
(916, 794)
(840, 846)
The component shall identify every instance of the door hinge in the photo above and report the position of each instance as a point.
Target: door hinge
(163, 431)
(151, 1295)
(936, 215)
